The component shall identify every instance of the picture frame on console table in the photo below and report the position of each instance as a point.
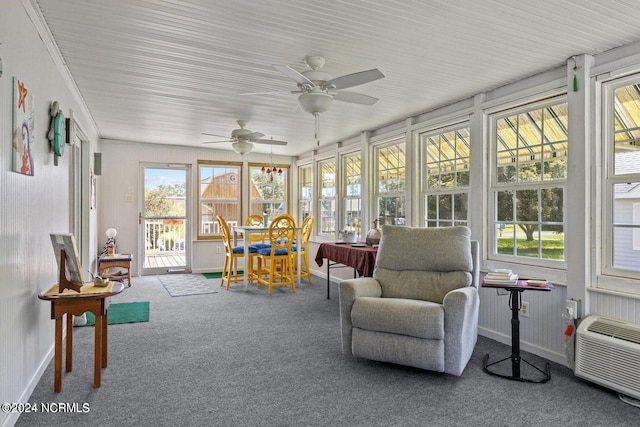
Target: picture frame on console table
(73, 269)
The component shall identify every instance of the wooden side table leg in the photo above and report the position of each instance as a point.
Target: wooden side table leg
(97, 363)
(105, 339)
(69, 353)
(57, 371)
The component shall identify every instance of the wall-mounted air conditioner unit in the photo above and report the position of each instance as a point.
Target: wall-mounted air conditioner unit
(608, 353)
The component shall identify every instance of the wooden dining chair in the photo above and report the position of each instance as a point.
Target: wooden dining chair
(275, 263)
(232, 254)
(255, 220)
(303, 245)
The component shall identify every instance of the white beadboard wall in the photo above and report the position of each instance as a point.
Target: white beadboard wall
(31, 208)
(121, 165)
(623, 307)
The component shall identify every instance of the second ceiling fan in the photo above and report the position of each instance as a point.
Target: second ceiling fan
(242, 139)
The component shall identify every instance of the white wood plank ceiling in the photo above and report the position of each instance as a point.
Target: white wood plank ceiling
(164, 71)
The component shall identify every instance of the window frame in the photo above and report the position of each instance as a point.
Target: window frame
(286, 201)
(379, 194)
(303, 200)
(217, 164)
(495, 187)
(608, 276)
(349, 199)
(426, 191)
(332, 199)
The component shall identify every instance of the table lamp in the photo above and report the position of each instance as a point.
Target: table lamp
(111, 240)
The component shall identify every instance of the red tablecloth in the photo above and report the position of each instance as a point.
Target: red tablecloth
(363, 259)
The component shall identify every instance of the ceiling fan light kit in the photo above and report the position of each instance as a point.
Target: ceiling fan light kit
(315, 102)
(242, 147)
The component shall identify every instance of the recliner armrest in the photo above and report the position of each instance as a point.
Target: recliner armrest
(461, 308)
(350, 290)
(360, 287)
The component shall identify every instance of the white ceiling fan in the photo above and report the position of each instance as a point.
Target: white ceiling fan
(318, 89)
(242, 139)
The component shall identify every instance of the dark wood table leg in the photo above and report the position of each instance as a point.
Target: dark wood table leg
(97, 363)
(69, 353)
(57, 370)
(105, 339)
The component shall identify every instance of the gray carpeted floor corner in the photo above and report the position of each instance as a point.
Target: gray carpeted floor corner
(244, 358)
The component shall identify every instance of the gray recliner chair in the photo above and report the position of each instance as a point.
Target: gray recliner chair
(420, 308)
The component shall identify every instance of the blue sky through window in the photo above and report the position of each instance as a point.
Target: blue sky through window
(153, 178)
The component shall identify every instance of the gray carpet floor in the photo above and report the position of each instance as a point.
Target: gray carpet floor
(237, 358)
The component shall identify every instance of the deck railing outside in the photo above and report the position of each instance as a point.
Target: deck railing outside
(212, 227)
(165, 241)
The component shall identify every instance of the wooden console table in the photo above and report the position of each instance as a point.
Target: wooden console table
(360, 257)
(72, 303)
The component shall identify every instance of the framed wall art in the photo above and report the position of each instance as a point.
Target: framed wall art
(23, 128)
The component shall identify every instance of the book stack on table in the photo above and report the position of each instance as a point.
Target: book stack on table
(500, 277)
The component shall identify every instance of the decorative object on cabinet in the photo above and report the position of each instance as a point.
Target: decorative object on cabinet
(110, 245)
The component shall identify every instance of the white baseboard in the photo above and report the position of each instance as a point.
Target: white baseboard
(12, 419)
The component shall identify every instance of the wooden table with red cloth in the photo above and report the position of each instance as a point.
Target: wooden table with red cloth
(360, 257)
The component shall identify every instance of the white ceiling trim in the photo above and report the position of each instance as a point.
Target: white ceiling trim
(34, 13)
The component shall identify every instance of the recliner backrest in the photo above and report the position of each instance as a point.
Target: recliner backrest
(423, 263)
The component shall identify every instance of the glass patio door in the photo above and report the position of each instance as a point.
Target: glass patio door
(164, 219)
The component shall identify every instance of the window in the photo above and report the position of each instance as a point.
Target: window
(269, 189)
(621, 216)
(445, 177)
(390, 162)
(306, 192)
(528, 183)
(352, 190)
(219, 194)
(327, 196)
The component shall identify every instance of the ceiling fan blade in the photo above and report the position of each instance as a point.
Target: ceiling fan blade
(213, 134)
(354, 79)
(354, 98)
(270, 141)
(294, 75)
(274, 92)
(216, 142)
(253, 136)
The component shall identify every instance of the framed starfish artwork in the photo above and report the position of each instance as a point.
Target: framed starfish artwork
(23, 128)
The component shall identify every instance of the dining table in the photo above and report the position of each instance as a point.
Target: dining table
(360, 256)
(246, 231)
